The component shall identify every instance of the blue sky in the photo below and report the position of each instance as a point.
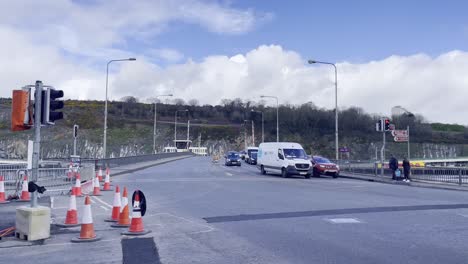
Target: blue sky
(355, 31)
(211, 50)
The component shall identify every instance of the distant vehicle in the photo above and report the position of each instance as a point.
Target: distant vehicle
(232, 159)
(286, 158)
(251, 151)
(242, 154)
(323, 166)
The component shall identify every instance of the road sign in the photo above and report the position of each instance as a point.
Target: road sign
(400, 133)
(400, 139)
(343, 149)
(391, 127)
(142, 201)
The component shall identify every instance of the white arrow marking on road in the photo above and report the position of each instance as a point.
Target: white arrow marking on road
(101, 201)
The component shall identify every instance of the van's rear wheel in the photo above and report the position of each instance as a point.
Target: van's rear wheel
(284, 173)
(262, 170)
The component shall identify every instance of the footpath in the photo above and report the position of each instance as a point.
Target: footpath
(413, 183)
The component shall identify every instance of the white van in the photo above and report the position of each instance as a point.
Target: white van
(286, 158)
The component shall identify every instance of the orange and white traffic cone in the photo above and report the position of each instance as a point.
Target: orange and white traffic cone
(96, 188)
(2, 191)
(70, 171)
(99, 174)
(116, 206)
(136, 227)
(87, 233)
(72, 216)
(107, 183)
(24, 192)
(124, 219)
(78, 185)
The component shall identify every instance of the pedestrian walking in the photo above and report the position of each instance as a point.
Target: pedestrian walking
(393, 165)
(406, 169)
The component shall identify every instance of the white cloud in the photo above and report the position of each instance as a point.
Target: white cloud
(169, 55)
(65, 44)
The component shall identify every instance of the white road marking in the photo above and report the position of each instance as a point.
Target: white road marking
(104, 203)
(228, 174)
(344, 221)
(52, 202)
(105, 208)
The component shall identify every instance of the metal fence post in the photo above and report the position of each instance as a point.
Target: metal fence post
(459, 176)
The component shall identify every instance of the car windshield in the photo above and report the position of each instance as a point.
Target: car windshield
(322, 160)
(253, 155)
(233, 156)
(294, 154)
(252, 151)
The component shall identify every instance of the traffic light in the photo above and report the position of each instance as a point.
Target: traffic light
(75, 131)
(49, 106)
(387, 124)
(378, 126)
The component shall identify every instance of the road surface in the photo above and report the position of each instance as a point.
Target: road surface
(200, 212)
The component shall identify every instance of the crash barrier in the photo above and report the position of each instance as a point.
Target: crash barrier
(56, 180)
(116, 162)
(455, 175)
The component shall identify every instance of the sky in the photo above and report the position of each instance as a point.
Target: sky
(387, 53)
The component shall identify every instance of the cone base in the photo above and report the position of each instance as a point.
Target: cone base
(4, 202)
(67, 225)
(110, 220)
(128, 233)
(19, 200)
(120, 226)
(81, 240)
(104, 190)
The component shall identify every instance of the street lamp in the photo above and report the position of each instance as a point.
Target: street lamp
(263, 130)
(336, 102)
(155, 113)
(175, 125)
(105, 106)
(277, 116)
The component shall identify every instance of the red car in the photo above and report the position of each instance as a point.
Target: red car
(323, 166)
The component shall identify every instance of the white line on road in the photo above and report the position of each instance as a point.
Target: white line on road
(103, 207)
(104, 203)
(228, 174)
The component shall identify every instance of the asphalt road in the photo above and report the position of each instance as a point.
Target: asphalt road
(200, 212)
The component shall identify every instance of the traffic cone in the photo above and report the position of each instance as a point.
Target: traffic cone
(87, 233)
(70, 172)
(72, 216)
(136, 227)
(78, 185)
(107, 183)
(124, 220)
(116, 206)
(24, 192)
(100, 174)
(2, 191)
(96, 188)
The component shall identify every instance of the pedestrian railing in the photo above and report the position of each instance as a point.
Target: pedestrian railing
(456, 175)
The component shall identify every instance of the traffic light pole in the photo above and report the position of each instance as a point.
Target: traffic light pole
(37, 139)
(382, 153)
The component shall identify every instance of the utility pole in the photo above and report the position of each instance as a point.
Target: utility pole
(253, 134)
(188, 133)
(382, 153)
(407, 129)
(37, 138)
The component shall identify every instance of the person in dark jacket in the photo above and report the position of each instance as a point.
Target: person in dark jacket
(406, 169)
(393, 165)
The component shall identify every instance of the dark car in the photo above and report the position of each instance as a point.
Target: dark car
(232, 159)
(252, 158)
(323, 166)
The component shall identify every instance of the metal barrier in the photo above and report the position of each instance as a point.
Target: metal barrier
(116, 162)
(456, 175)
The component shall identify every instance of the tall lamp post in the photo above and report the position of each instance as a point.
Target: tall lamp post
(277, 116)
(336, 103)
(155, 114)
(175, 125)
(263, 130)
(105, 106)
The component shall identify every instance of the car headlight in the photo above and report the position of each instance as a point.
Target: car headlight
(322, 166)
(238, 160)
(337, 167)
